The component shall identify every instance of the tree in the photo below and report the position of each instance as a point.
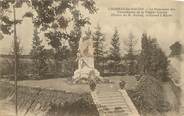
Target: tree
(145, 55)
(176, 49)
(76, 32)
(51, 17)
(38, 54)
(115, 47)
(6, 22)
(98, 44)
(55, 42)
(75, 35)
(153, 60)
(115, 55)
(130, 56)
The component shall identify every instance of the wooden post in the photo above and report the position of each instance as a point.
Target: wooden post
(15, 59)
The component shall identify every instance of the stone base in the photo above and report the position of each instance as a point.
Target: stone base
(86, 74)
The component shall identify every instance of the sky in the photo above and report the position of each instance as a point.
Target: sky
(167, 30)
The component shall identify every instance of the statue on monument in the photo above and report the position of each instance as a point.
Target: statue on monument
(85, 57)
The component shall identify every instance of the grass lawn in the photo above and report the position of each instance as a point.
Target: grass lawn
(65, 85)
(131, 82)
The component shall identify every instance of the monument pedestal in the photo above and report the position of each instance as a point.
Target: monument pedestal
(86, 71)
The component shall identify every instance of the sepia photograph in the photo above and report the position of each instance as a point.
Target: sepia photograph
(91, 58)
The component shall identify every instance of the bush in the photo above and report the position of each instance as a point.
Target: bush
(81, 107)
(122, 84)
(92, 85)
(148, 96)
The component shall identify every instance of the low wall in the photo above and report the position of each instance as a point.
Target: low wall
(44, 102)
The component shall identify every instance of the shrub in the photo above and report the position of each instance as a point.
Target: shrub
(92, 85)
(122, 84)
(148, 96)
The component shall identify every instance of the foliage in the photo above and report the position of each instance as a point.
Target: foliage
(176, 49)
(51, 17)
(115, 48)
(54, 102)
(115, 55)
(152, 59)
(130, 56)
(122, 84)
(92, 85)
(98, 44)
(6, 22)
(75, 34)
(7, 9)
(81, 107)
(55, 16)
(59, 20)
(38, 54)
(148, 96)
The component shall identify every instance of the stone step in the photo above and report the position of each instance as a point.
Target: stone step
(113, 106)
(114, 109)
(119, 114)
(106, 89)
(116, 98)
(107, 92)
(111, 101)
(108, 95)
